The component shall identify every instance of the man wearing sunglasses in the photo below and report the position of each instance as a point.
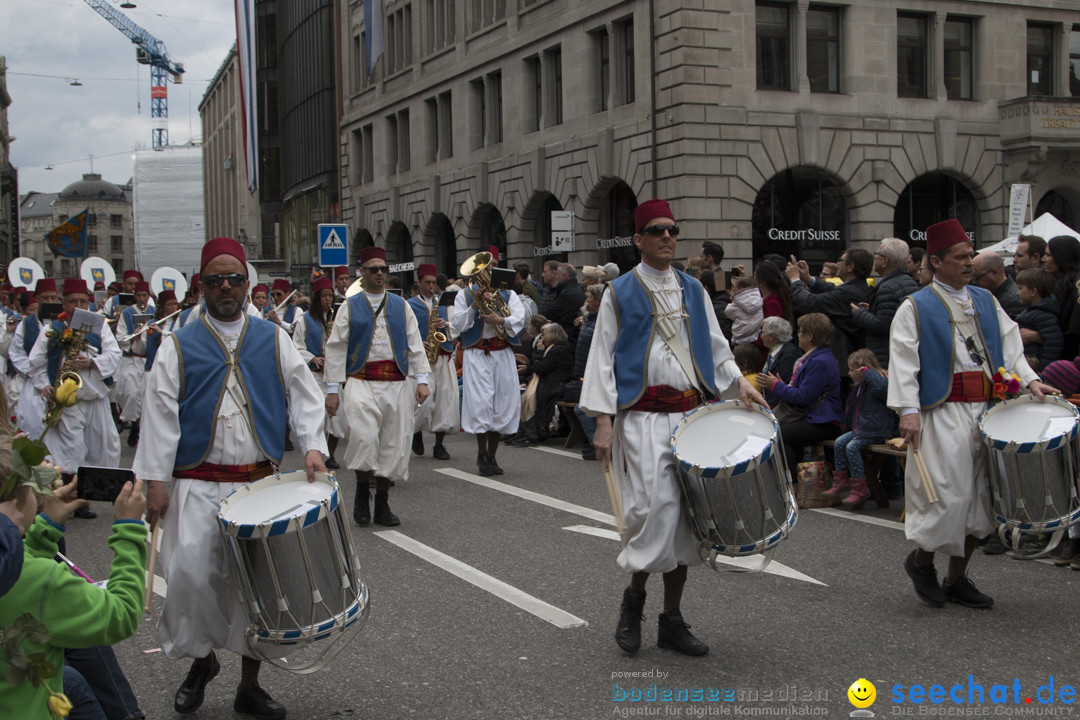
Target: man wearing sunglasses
(279, 291)
(947, 340)
(376, 345)
(639, 389)
(243, 381)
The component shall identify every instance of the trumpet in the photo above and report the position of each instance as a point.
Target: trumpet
(490, 301)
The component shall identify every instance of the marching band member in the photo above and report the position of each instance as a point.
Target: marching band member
(280, 290)
(634, 376)
(129, 378)
(196, 300)
(31, 407)
(241, 378)
(342, 280)
(309, 336)
(85, 433)
(440, 413)
(160, 328)
(375, 343)
(112, 305)
(260, 296)
(491, 396)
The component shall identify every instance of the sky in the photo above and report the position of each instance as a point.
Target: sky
(50, 43)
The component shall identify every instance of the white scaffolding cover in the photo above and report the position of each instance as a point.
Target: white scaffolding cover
(170, 226)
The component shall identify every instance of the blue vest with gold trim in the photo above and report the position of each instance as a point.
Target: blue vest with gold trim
(420, 310)
(634, 309)
(31, 330)
(936, 338)
(203, 381)
(362, 327)
(474, 334)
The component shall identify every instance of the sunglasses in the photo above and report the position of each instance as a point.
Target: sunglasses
(973, 351)
(216, 281)
(377, 269)
(659, 230)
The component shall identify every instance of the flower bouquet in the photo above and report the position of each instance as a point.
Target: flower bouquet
(1006, 385)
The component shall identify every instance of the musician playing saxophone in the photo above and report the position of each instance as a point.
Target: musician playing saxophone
(85, 433)
(129, 377)
(439, 414)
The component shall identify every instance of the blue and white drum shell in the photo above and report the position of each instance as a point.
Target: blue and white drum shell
(1031, 454)
(293, 555)
(735, 485)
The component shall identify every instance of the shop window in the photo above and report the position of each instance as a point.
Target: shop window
(1040, 59)
(912, 55)
(615, 234)
(1074, 61)
(773, 23)
(800, 212)
(958, 58)
(930, 199)
(823, 49)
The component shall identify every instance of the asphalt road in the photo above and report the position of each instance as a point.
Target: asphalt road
(834, 607)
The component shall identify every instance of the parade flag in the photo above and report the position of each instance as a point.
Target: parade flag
(245, 58)
(373, 26)
(68, 239)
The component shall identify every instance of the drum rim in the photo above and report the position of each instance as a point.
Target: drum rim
(733, 470)
(294, 523)
(357, 610)
(765, 544)
(1010, 446)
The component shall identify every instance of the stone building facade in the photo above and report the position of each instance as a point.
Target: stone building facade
(771, 126)
(9, 179)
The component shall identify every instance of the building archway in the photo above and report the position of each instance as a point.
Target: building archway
(492, 230)
(441, 232)
(1058, 205)
(615, 234)
(537, 220)
(929, 199)
(399, 250)
(361, 239)
(800, 211)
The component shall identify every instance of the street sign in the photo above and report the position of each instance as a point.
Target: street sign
(403, 267)
(1019, 202)
(333, 245)
(562, 230)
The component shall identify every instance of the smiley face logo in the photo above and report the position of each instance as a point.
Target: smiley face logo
(862, 693)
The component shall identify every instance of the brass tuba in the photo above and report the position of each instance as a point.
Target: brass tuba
(490, 301)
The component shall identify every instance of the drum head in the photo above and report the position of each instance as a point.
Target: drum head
(1027, 420)
(723, 434)
(273, 503)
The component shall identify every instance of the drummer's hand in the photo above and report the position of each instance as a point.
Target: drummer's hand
(422, 394)
(130, 503)
(157, 501)
(1040, 389)
(748, 394)
(333, 402)
(909, 430)
(602, 438)
(767, 380)
(313, 463)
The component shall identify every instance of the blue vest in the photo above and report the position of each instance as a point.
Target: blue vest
(313, 338)
(31, 330)
(128, 319)
(290, 313)
(634, 308)
(362, 327)
(421, 312)
(475, 334)
(937, 338)
(56, 351)
(203, 365)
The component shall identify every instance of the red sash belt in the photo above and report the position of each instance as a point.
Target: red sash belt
(971, 386)
(445, 353)
(227, 473)
(489, 344)
(379, 370)
(666, 399)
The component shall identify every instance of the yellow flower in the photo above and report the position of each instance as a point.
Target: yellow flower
(65, 394)
(59, 705)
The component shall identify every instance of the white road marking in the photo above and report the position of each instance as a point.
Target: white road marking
(868, 519)
(743, 563)
(559, 451)
(509, 593)
(535, 497)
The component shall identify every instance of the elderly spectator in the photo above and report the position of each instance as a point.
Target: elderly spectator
(1030, 251)
(552, 363)
(914, 263)
(988, 272)
(611, 271)
(563, 302)
(1062, 258)
(591, 275)
(782, 353)
(875, 317)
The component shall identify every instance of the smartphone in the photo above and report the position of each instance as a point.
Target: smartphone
(98, 483)
(50, 311)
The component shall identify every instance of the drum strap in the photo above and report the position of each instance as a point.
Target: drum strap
(666, 329)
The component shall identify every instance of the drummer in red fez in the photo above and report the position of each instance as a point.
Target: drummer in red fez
(242, 379)
(376, 356)
(941, 400)
(633, 378)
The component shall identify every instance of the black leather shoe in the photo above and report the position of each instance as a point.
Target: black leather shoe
(383, 516)
(418, 443)
(133, 436)
(289, 446)
(256, 701)
(964, 592)
(483, 462)
(85, 513)
(361, 509)
(494, 466)
(924, 578)
(332, 464)
(628, 631)
(674, 634)
(439, 453)
(190, 695)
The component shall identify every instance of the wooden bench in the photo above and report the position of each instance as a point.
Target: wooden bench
(875, 457)
(577, 436)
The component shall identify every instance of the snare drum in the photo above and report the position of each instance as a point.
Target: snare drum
(1031, 459)
(735, 485)
(293, 556)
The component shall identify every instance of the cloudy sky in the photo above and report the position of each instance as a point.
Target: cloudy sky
(50, 43)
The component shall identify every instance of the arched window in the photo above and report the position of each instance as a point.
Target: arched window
(800, 212)
(615, 235)
(929, 199)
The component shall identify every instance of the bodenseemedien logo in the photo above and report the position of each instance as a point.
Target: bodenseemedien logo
(862, 695)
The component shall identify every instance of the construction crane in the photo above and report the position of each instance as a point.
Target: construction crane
(149, 51)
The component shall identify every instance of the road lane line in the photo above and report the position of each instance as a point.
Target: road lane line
(509, 593)
(774, 567)
(535, 497)
(868, 519)
(558, 451)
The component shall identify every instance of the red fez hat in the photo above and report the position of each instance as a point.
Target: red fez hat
(260, 288)
(99, 285)
(142, 286)
(75, 285)
(283, 285)
(222, 246)
(195, 279)
(8, 287)
(372, 253)
(341, 270)
(426, 269)
(45, 285)
(116, 286)
(166, 295)
(323, 283)
(494, 254)
(28, 299)
(650, 210)
(131, 274)
(945, 234)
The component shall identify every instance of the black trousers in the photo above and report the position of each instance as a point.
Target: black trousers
(799, 435)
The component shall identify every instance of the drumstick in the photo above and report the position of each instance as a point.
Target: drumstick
(148, 606)
(928, 484)
(613, 494)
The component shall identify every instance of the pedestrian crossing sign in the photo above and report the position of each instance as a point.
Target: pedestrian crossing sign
(333, 245)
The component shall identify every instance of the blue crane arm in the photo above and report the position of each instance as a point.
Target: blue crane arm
(154, 52)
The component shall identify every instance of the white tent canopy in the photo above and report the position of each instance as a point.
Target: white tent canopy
(1045, 226)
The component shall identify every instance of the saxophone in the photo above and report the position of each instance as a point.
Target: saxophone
(68, 381)
(434, 337)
